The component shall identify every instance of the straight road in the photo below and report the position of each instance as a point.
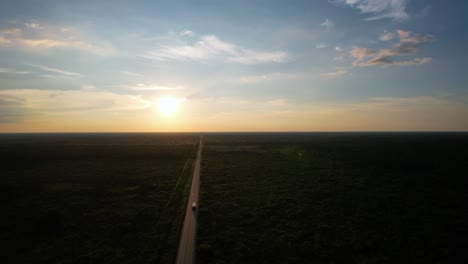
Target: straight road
(186, 252)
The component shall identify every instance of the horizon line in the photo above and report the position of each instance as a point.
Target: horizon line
(211, 132)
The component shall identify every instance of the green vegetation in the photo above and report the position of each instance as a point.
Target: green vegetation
(265, 197)
(93, 198)
(333, 198)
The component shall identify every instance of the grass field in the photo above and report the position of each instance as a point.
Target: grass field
(93, 198)
(334, 198)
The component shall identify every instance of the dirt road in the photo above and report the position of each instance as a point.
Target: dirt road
(186, 251)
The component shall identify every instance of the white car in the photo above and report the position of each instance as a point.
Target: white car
(194, 206)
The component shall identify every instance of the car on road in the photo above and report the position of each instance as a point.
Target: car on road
(194, 206)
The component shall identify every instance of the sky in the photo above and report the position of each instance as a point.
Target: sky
(336, 65)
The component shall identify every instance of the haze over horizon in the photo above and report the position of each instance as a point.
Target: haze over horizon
(338, 65)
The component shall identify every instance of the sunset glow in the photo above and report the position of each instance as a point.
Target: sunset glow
(245, 65)
(168, 105)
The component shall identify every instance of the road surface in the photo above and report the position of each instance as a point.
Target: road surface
(186, 252)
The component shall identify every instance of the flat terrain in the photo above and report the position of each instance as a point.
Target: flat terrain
(186, 250)
(93, 198)
(334, 198)
(264, 197)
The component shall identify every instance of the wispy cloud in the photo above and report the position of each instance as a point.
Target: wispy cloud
(12, 71)
(187, 33)
(36, 36)
(387, 35)
(132, 73)
(328, 24)
(408, 45)
(4, 40)
(272, 77)
(254, 78)
(44, 43)
(341, 54)
(11, 32)
(71, 100)
(336, 73)
(152, 87)
(11, 109)
(321, 46)
(60, 71)
(33, 25)
(284, 76)
(379, 9)
(211, 47)
(56, 72)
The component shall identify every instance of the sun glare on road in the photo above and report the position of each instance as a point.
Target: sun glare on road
(168, 105)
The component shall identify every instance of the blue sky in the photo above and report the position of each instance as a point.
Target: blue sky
(342, 65)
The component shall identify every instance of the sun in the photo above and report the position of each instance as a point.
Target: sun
(168, 105)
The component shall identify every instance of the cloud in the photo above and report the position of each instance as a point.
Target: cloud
(336, 73)
(12, 71)
(57, 71)
(340, 57)
(187, 33)
(283, 76)
(321, 46)
(328, 24)
(152, 87)
(4, 40)
(33, 25)
(386, 36)
(44, 101)
(254, 78)
(272, 77)
(43, 43)
(210, 47)
(408, 45)
(36, 36)
(49, 72)
(11, 110)
(379, 9)
(14, 31)
(387, 61)
(67, 44)
(342, 54)
(258, 57)
(132, 73)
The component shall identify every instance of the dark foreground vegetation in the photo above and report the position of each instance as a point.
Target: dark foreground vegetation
(334, 198)
(265, 197)
(93, 198)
